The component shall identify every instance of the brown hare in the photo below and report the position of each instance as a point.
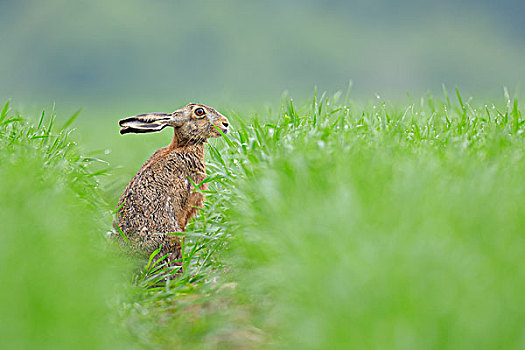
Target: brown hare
(160, 199)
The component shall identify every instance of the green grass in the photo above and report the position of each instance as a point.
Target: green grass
(58, 275)
(385, 228)
(331, 225)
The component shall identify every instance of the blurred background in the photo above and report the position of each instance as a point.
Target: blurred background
(101, 55)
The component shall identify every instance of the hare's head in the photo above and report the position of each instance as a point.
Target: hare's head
(193, 123)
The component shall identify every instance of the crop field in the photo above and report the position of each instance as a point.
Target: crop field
(328, 224)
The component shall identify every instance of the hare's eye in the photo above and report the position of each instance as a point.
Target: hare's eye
(199, 112)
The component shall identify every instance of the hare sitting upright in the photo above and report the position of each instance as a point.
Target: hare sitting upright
(160, 198)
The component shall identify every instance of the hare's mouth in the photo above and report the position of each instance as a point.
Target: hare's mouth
(219, 131)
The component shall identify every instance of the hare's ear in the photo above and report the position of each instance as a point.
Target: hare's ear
(142, 123)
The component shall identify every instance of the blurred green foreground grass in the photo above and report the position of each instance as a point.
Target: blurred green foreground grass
(331, 226)
(58, 276)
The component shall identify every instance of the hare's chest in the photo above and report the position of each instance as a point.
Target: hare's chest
(185, 171)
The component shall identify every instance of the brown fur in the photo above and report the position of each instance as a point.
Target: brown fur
(160, 199)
